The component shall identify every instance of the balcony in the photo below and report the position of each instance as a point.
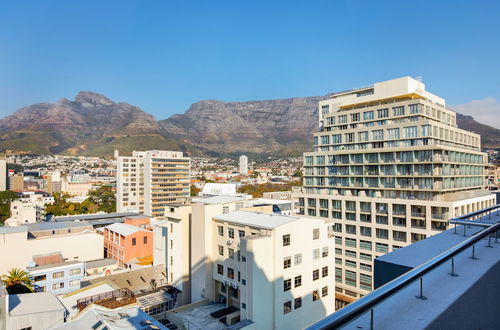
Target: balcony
(112, 299)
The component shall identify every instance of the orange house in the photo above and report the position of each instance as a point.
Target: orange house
(142, 221)
(124, 242)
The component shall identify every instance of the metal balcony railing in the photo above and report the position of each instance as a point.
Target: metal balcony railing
(367, 304)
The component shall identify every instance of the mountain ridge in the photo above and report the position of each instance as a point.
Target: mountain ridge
(92, 124)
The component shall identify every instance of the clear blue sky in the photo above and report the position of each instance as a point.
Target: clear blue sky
(165, 55)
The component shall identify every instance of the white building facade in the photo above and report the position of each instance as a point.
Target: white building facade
(389, 168)
(243, 165)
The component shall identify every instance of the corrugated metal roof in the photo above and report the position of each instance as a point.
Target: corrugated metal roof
(124, 229)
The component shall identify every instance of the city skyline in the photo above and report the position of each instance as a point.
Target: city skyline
(163, 57)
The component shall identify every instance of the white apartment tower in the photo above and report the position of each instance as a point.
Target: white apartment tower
(148, 181)
(243, 165)
(389, 168)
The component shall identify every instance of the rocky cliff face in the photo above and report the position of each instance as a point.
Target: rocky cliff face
(92, 124)
(80, 126)
(274, 126)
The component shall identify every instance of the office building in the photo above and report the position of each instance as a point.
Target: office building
(389, 168)
(16, 182)
(243, 165)
(148, 181)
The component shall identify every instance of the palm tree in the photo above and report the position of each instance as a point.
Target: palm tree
(18, 281)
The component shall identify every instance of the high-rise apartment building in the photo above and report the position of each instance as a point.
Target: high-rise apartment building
(243, 165)
(148, 181)
(389, 168)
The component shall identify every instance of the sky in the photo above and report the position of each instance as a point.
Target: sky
(165, 55)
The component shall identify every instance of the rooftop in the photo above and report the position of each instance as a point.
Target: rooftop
(69, 300)
(49, 225)
(124, 229)
(95, 216)
(256, 219)
(53, 265)
(12, 230)
(100, 263)
(220, 199)
(36, 302)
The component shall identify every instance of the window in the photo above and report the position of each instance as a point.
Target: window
(315, 254)
(297, 302)
(410, 131)
(365, 231)
(324, 271)
(368, 115)
(315, 274)
(134, 241)
(241, 233)
(74, 283)
(383, 113)
(145, 240)
(220, 229)
(286, 240)
(316, 233)
(230, 232)
(221, 250)
(75, 271)
(378, 134)
(298, 281)
(243, 305)
(230, 273)
(315, 295)
(220, 269)
(58, 274)
(398, 111)
(298, 259)
(324, 252)
(39, 278)
(393, 133)
(230, 253)
(287, 284)
(324, 291)
(287, 307)
(363, 136)
(350, 278)
(382, 233)
(58, 286)
(287, 262)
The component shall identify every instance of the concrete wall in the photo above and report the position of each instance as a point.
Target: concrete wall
(82, 247)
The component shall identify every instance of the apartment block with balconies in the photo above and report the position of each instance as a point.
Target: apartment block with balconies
(389, 168)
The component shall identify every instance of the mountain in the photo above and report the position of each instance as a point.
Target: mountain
(92, 124)
(490, 136)
(281, 127)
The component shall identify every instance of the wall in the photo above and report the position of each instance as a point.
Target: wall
(83, 247)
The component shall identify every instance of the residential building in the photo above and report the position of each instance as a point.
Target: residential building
(57, 276)
(447, 281)
(16, 182)
(76, 189)
(34, 311)
(75, 241)
(100, 267)
(243, 165)
(389, 168)
(218, 248)
(3, 174)
(124, 242)
(22, 212)
(148, 181)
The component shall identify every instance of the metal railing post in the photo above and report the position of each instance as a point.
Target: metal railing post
(489, 242)
(371, 319)
(421, 290)
(465, 234)
(453, 274)
(473, 252)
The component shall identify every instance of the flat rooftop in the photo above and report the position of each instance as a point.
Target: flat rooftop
(33, 303)
(50, 225)
(256, 219)
(125, 229)
(95, 216)
(220, 199)
(59, 264)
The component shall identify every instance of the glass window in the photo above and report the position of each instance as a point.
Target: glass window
(315, 274)
(230, 232)
(58, 274)
(298, 302)
(287, 262)
(287, 307)
(286, 240)
(220, 229)
(298, 281)
(287, 284)
(368, 115)
(298, 259)
(316, 233)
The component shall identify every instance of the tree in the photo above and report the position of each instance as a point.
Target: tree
(105, 199)
(194, 190)
(6, 197)
(18, 281)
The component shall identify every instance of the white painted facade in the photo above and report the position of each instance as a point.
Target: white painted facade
(243, 165)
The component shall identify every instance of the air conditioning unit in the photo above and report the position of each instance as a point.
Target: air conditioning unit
(229, 242)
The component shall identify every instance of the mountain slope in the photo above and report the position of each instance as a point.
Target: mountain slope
(94, 125)
(271, 127)
(91, 124)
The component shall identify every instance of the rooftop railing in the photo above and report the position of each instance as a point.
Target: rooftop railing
(367, 304)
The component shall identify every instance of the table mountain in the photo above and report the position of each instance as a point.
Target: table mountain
(92, 124)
